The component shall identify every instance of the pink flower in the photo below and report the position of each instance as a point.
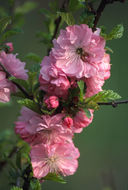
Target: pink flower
(94, 84)
(10, 45)
(81, 121)
(52, 102)
(13, 65)
(4, 88)
(68, 121)
(77, 51)
(52, 80)
(105, 66)
(58, 158)
(35, 128)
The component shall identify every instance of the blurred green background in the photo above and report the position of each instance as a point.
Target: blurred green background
(104, 144)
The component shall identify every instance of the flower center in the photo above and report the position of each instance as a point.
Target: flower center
(79, 51)
(52, 162)
(83, 55)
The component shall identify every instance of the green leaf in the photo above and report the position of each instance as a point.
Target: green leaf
(30, 104)
(117, 32)
(21, 82)
(109, 49)
(81, 87)
(33, 57)
(103, 96)
(87, 18)
(18, 159)
(18, 94)
(67, 17)
(9, 34)
(54, 177)
(87, 112)
(4, 22)
(35, 184)
(74, 5)
(26, 7)
(16, 188)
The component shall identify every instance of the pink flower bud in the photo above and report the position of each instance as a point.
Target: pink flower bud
(10, 45)
(52, 102)
(68, 122)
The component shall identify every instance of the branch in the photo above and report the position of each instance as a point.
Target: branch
(114, 104)
(27, 178)
(58, 20)
(101, 8)
(16, 84)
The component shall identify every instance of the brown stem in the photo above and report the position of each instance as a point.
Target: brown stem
(101, 8)
(114, 104)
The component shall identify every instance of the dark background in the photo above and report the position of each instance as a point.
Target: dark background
(104, 144)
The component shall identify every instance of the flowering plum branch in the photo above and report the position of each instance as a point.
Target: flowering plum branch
(60, 96)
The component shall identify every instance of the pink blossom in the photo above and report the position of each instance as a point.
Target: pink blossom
(4, 88)
(68, 121)
(77, 51)
(35, 128)
(52, 80)
(52, 102)
(94, 84)
(105, 66)
(13, 65)
(10, 45)
(59, 158)
(81, 120)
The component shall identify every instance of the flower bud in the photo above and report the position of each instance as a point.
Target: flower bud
(52, 102)
(68, 122)
(9, 48)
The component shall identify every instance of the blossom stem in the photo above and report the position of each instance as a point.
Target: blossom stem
(114, 104)
(101, 8)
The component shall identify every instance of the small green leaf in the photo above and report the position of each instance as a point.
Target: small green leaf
(87, 112)
(9, 34)
(4, 22)
(103, 96)
(54, 177)
(35, 184)
(30, 104)
(16, 188)
(18, 159)
(109, 49)
(26, 7)
(21, 82)
(67, 17)
(18, 94)
(87, 18)
(117, 32)
(81, 87)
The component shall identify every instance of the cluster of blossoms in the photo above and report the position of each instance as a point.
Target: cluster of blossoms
(78, 54)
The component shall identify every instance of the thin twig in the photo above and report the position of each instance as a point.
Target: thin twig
(16, 84)
(58, 21)
(101, 8)
(114, 104)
